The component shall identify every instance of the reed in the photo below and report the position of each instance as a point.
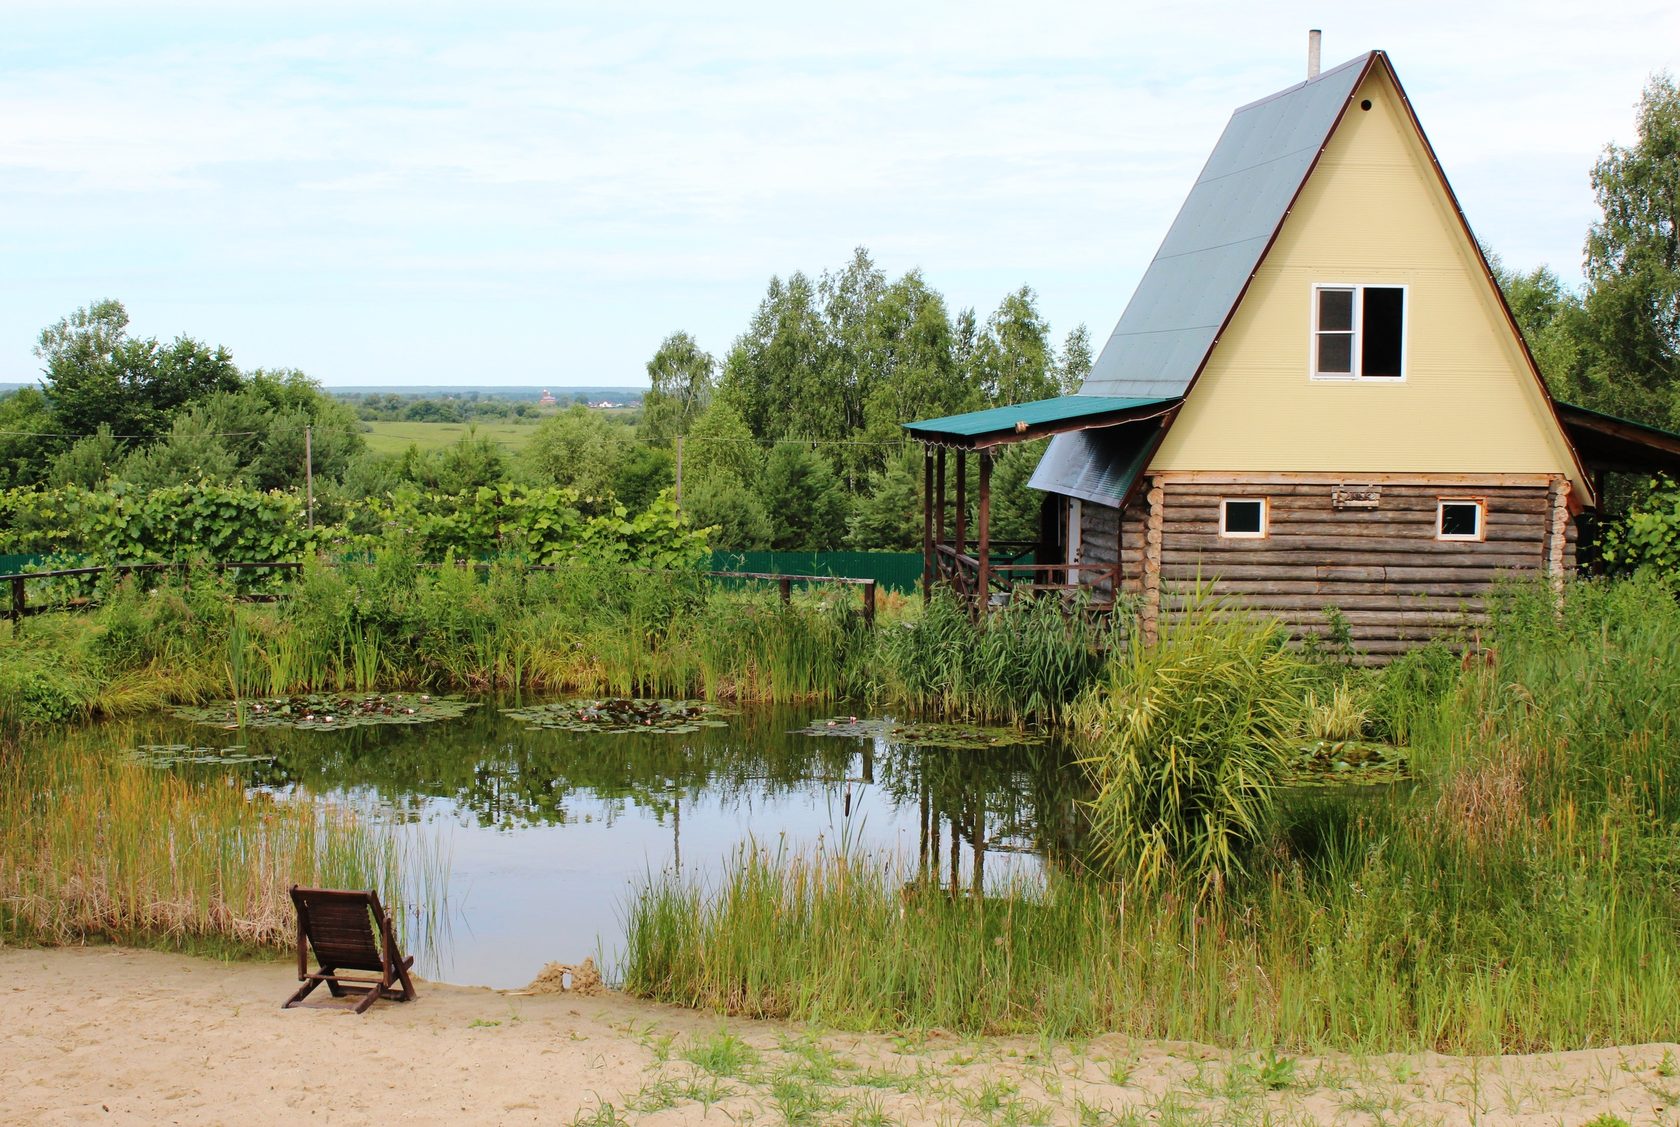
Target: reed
(100, 847)
(1518, 894)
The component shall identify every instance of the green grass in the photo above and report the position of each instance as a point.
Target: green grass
(395, 437)
(1520, 893)
(591, 629)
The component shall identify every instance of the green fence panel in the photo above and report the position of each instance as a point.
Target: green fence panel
(11, 565)
(893, 571)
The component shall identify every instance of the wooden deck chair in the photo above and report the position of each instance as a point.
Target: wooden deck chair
(340, 925)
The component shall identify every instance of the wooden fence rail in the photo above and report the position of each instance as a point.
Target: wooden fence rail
(20, 608)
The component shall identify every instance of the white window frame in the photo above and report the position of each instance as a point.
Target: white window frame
(1441, 516)
(1265, 518)
(1358, 288)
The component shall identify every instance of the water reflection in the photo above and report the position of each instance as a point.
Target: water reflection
(547, 831)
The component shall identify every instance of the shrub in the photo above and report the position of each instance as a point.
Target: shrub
(1185, 740)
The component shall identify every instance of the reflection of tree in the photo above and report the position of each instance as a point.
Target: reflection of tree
(999, 800)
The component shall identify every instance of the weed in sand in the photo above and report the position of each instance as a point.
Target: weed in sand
(722, 1054)
(797, 1101)
(871, 1111)
(655, 1096)
(603, 1114)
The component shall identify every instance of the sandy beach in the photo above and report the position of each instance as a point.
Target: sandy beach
(112, 1035)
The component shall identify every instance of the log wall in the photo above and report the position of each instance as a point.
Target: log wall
(1395, 584)
(1099, 542)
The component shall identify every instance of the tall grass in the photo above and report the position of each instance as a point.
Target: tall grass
(588, 629)
(98, 846)
(1521, 892)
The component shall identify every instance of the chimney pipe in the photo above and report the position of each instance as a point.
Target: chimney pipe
(1313, 38)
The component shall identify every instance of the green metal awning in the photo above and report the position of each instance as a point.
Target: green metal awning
(1021, 422)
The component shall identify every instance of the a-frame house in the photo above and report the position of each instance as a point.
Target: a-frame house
(1317, 397)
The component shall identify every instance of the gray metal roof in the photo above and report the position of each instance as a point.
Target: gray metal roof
(1210, 252)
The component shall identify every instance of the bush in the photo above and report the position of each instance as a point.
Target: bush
(1185, 741)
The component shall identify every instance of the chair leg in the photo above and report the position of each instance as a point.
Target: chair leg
(363, 1005)
(332, 983)
(302, 993)
(408, 991)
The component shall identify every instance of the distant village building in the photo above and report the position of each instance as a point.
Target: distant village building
(547, 399)
(1317, 398)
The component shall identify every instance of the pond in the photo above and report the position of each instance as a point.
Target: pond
(545, 832)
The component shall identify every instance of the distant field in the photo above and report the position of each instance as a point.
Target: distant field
(394, 438)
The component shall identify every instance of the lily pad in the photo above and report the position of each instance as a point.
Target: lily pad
(1339, 762)
(328, 712)
(957, 737)
(621, 715)
(171, 755)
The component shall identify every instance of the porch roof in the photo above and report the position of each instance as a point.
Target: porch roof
(1040, 418)
(1606, 442)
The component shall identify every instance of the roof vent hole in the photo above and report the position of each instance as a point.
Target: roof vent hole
(1366, 104)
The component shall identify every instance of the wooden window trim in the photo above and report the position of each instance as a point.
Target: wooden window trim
(1265, 518)
(1481, 519)
(1358, 335)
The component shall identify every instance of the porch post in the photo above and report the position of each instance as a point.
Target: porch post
(985, 521)
(939, 510)
(927, 522)
(962, 501)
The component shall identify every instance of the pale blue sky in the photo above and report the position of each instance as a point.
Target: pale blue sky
(383, 193)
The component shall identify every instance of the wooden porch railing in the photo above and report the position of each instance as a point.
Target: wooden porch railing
(961, 572)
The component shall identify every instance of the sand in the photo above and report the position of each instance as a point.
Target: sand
(110, 1035)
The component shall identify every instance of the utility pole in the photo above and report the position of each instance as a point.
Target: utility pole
(309, 475)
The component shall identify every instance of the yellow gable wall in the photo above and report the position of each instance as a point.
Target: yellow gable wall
(1372, 212)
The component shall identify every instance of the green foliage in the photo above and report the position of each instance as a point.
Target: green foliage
(733, 512)
(889, 514)
(721, 447)
(1013, 360)
(96, 373)
(581, 450)
(806, 505)
(541, 525)
(24, 454)
(1647, 535)
(1024, 662)
(120, 524)
(1186, 741)
(680, 379)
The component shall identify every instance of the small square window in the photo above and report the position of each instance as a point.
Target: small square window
(1243, 517)
(1459, 520)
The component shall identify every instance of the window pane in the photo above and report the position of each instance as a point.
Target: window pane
(1335, 310)
(1335, 352)
(1243, 516)
(1384, 314)
(1461, 519)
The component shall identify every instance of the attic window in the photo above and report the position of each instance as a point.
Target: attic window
(1459, 520)
(1359, 332)
(1243, 517)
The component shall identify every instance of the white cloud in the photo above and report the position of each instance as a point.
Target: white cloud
(396, 156)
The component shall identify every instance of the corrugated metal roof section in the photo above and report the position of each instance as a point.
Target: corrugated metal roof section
(1018, 416)
(1096, 465)
(1217, 239)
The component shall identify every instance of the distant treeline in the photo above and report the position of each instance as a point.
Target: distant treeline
(430, 406)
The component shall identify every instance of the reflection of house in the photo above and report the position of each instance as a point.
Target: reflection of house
(547, 400)
(1316, 397)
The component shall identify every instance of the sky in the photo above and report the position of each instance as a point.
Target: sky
(537, 193)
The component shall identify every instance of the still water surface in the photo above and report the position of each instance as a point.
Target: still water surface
(546, 833)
